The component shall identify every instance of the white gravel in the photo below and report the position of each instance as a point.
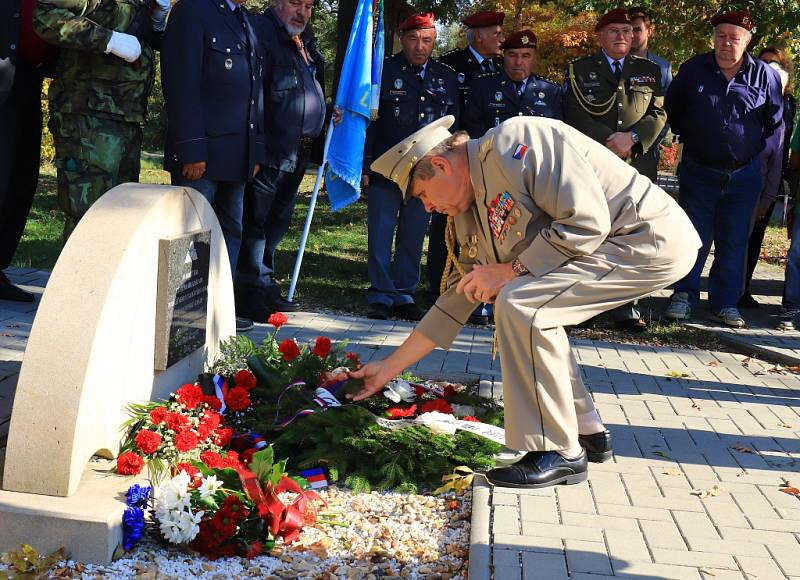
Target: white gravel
(379, 536)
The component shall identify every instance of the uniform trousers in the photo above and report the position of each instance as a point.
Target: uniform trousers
(437, 252)
(720, 205)
(791, 284)
(542, 387)
(20, 144)
(391, 222)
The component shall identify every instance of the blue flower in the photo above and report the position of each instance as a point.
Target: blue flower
(138, 495)
(132, 526)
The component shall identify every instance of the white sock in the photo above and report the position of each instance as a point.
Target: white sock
(571, 453)
(590, 423)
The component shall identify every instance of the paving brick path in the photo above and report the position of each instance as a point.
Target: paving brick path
(681, 420)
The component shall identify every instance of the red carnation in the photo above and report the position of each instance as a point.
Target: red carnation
(190, 470)
(189, 395)
(289, 350)
(449, 390)
(322, 347)
(186, 441)
(148, 441)
(223, 436)
(233, 508)
(277, 319)
(212, 401)
(244, 379)
(254, 550)
(212, 459)
(129, 463)
(419, 392)
(399, 412)
(471, 419)
(354, 358)
(238, 399)
(438, 405)
(208, 423)
(176, 421)
(231, 460)
(158, 415)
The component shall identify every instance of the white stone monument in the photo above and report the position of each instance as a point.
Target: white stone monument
(125, 318)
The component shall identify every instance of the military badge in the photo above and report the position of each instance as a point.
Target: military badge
(396, 112)
(499, 211)
(525, 39)
(228, 64)
(541, 95)
(398, 83)
(700, 89)
(519, 151)
(461, 78)
(498, 96)
(593, 75)
(441, 82)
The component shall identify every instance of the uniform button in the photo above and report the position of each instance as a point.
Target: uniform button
(519, 234)
(421, 115)
(227, 50)
(214, 39)
(239, 46)
(619, 104)
(422, 98)
(13, 46)
(252, 101)
(251, 125)
(254, 77)
(519, 114)
(16, 15)
(619, 122)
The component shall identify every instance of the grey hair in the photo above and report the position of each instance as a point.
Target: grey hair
(470, 35)
(424, 167)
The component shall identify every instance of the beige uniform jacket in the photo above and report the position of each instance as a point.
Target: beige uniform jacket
(566, 196)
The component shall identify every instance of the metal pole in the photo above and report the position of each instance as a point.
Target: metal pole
(299, 260)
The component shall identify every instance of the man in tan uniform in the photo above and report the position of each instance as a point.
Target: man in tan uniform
(554, 228)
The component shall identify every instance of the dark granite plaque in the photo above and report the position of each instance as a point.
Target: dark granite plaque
(182, 300)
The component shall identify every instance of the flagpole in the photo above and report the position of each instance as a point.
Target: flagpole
(320, 171)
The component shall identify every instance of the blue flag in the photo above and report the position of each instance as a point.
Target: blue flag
(377, 61)
(346, 151)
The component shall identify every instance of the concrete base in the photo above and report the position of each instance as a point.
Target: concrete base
(88, 524)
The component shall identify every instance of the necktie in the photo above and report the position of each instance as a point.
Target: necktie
(488, 66)
(419, 71)
(520, 87)
(617, 70)
(298, 42)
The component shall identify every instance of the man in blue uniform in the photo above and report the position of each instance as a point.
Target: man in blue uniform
(294, 119)
(415, 90)
(480, 56)
(726, 106)
(514, 91)
(211, 73)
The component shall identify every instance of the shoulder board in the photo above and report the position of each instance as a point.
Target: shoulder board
(448, 53)
(643, 59)
(547, 80)
(443, 64)
(580, 58)
(488, 75)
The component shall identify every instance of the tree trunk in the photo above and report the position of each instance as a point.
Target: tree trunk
(517, 15)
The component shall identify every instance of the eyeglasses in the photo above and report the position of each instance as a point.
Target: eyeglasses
(619, 31)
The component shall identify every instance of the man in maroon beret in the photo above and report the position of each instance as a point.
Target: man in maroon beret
(415, 91)
(482, 55)
(727, 108)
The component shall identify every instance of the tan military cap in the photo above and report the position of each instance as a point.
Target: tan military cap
(398, 161)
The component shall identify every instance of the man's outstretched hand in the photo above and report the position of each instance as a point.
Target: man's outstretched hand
(375, 376)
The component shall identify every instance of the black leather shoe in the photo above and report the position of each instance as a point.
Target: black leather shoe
(9, 291)
(378, 311)
(747, 302)
(541, 469)
(597, 446)
(280, 304)
(632, 325)
(409, 311)
(243, 324)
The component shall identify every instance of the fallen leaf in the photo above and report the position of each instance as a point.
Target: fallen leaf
(778, 369)
(713, 363)
(677, 374)
(696, 406)
(713, 491)
(673, 471)
(787, 487)
(745, 361)
(744, 449)
(793, 368)
(707, 572)
(663, 454)
(784, 425)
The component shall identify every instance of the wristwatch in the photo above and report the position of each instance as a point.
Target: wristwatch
(518, 267)
(635, 136)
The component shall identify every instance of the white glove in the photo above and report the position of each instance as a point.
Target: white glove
(125, 46)
(159, 15)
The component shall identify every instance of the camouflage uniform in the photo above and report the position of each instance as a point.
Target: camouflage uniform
(98, 101)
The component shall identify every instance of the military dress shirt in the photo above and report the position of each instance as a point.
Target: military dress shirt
(494, 98)
(598, 105)
(546, 193)
(724, 124)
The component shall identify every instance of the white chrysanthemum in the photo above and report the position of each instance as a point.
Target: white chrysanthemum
(210, 485)
(188, 524)
(179, 526)
(399, 390)
(441, 423)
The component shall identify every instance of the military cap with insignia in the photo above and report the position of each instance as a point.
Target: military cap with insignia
(484, 18)
(615, 16)
(739, 18)
(520, 39)
(398, 161)
(417, 21)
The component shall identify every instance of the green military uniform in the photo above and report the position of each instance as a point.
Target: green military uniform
(599, 105)
(98, 101)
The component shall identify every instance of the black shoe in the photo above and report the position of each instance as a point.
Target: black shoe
(541, 469)
(597, 446)
(409, 311)
(9, 291)
(378, 311)
(280, 304)
(748, 302)
(632, 325)
(243, 324)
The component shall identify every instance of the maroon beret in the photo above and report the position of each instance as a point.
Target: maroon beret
(616, 16)
(484, 18)
(739, 18)
(417, 21)
(32, 47)
(520, 39)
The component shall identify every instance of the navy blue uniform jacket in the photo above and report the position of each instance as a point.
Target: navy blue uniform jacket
(211, 73)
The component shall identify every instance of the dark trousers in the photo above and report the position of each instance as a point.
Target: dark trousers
(754, 246)
(268, 206)
(20, 156)
(437, 252)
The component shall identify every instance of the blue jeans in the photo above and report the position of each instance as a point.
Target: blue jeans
(720, 205)
(393, 282)
(226, 197)
(791, 285)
